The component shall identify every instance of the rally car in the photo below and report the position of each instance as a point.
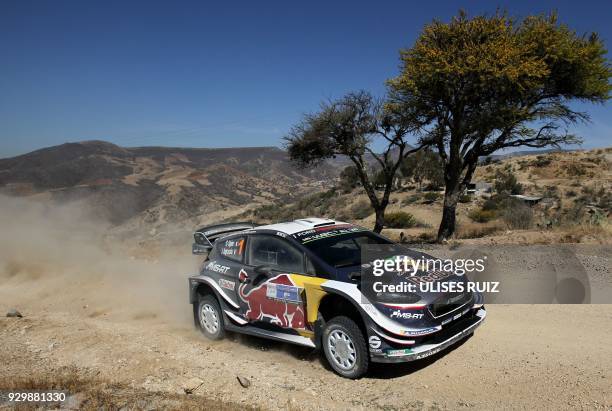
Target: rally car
(300, 282)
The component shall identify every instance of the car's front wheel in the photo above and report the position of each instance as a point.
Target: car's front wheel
(345, 348)
(210, 318)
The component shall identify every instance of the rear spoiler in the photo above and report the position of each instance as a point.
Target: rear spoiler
(205, 237)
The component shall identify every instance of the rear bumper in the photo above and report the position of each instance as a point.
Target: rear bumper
(433, 346)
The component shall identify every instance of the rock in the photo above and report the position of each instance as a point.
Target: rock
(192, 385)
(13, 313)
(74, 402)
(245, 382)
(310, 391)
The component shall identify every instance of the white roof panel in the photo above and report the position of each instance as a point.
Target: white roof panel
(302, 224)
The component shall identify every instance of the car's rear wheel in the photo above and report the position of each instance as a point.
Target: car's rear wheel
(345, 348)
(210, 318)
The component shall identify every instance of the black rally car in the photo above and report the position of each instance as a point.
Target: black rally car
(297, 282)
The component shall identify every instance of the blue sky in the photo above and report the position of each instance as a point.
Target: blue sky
(222, 74)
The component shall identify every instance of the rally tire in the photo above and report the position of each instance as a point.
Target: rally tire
(209, 317)
(345, 347)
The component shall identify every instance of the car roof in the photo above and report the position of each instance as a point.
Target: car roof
(302, 224)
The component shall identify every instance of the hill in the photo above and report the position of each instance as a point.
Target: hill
(574, 186)
(158, 185)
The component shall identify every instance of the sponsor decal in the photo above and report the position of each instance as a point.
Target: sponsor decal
(428, 353)
(398, 353)
(414, 333)
(326, 232)
(406, 315)
(424, 281)
(374, 341)
(285, 311)
(216, 267)
(223, 283)
(283, 292)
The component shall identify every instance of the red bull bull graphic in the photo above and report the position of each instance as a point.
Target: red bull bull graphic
(276, 301)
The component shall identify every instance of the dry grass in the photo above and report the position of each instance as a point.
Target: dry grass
(518, 216)
(96, 394)
(475, 230)
(587, 233)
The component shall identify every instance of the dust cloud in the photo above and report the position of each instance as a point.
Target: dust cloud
(64, 258)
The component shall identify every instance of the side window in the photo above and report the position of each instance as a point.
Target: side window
(276, 253)
(232, 248)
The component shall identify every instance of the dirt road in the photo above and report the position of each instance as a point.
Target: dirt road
(525, 357)
(92, 321)
(110, 323)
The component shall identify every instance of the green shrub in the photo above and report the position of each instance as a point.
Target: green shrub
(506, 183)
(314, 204)
(541, 161)
(361, 209)
(491, 204)
(574, 170)
(482, 216)
(411, 199)
(430, 197)
(400, 219)
(465, 198)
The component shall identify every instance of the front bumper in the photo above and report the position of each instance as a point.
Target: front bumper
(455, 333)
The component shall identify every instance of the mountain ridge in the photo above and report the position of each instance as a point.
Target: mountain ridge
(158, 185)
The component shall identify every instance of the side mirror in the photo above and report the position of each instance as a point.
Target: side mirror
(262, 274)
(355, 276)
(199, 249)
(262, 269)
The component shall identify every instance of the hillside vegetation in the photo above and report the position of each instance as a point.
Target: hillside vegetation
(576, 202)
(157, 191)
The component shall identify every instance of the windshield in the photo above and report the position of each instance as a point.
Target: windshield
(344, 250)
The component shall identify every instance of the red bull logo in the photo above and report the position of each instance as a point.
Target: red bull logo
(276, 300)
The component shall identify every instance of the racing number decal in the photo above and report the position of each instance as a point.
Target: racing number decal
(233, 248)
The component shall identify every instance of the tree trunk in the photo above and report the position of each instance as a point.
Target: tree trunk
(447, 225)
(380, 219)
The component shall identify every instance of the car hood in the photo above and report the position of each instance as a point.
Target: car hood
(423, 296)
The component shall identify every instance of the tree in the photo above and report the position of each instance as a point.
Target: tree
(348, 178)
(424, 165)
(506, 183)
(351, 126)
(474, 86)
